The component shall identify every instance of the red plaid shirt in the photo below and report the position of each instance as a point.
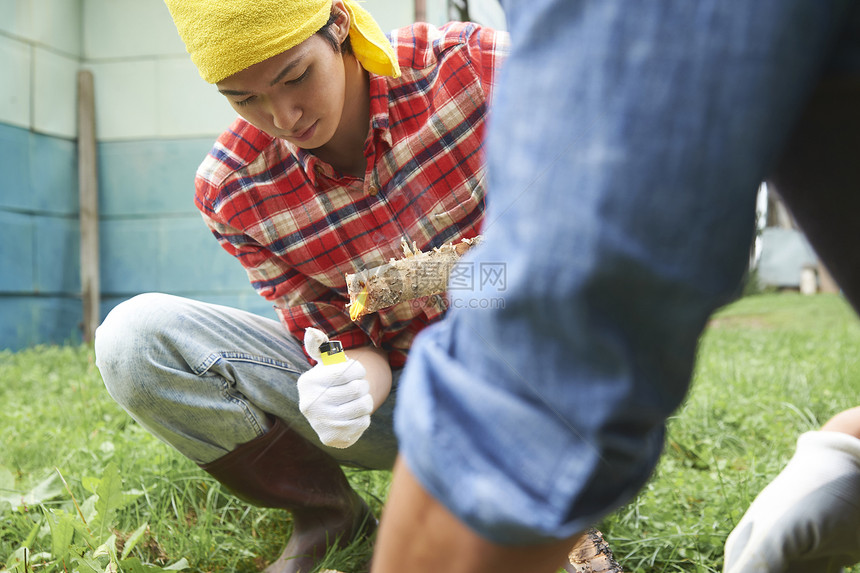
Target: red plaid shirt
(298, 226)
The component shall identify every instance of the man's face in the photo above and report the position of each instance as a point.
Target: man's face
(297, 95)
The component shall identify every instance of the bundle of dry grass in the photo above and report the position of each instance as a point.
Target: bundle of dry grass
(418, 274)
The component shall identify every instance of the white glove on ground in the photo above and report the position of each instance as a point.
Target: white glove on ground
(334, 398)
(808, 518)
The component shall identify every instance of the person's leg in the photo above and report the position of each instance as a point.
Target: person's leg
(281, 469)
(218, 384)
(205, 378)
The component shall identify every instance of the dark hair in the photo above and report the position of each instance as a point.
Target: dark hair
(328, 36)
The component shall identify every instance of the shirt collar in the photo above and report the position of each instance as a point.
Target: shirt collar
(379, 125)
(379, 122)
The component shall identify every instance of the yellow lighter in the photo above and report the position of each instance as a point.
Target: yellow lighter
(332, 352)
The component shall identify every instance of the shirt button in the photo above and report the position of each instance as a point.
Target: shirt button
(319, 169)
(372, 190)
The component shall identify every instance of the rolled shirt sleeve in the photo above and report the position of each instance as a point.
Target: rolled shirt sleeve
(622, 212)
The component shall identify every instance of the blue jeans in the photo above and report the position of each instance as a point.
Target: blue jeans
(627, 143)
(205, 378)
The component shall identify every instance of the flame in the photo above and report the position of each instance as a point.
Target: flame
(356, 307)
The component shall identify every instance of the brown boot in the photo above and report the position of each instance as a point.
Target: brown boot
(281, 469)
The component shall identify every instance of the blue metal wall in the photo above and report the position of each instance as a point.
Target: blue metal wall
(152, 237)
(40, 277)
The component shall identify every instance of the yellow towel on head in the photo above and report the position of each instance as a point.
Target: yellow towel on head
(227, 36)
(370, 45)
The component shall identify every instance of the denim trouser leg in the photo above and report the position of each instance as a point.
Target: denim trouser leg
(627, 143)
(204, 377)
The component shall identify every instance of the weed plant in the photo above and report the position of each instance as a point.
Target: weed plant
(85, 488)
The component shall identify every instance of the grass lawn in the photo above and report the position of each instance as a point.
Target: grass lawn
(81, 482)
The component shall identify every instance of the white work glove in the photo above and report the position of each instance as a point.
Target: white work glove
(334, 398)
(808, 518)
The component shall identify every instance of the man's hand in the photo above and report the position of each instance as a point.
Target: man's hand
(335, 399)
(808, 518)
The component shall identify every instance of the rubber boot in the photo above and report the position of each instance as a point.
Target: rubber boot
(280, 469)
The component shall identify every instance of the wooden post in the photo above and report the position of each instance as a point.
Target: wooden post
(89, 205)
(420, 10)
